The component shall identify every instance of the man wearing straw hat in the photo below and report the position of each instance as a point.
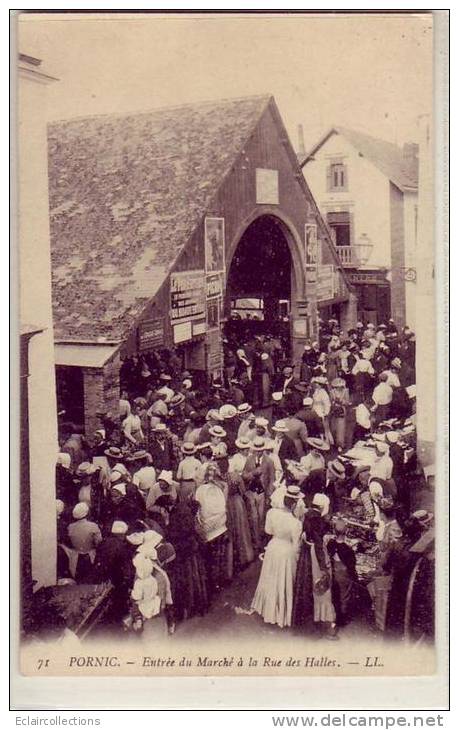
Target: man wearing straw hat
(259, 476)
(189, 466)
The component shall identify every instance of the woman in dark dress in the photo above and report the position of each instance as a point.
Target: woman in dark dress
(312, 603)
(187, 573)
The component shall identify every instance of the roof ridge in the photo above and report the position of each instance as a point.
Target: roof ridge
(140, 112)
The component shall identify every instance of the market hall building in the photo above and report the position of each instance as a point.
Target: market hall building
(160, 221)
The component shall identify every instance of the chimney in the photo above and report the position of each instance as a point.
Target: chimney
(301, 148)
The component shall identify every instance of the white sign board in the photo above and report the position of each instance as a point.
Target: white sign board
(267, 185)
(182, 332)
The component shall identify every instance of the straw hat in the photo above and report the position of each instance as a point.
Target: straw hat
(228, 411)
(336, 468)
(85, 468)
(244, 408)
(260, 421)
(280, 427)
(319, 444)
(137, 455)
(217, 431)
(160, 427)
(277, 396)
(307, 401)
(258, 444)
(293, 491)
(188, 448)
(114, 452)
(243, 443)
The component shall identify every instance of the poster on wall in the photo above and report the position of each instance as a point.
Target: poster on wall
(188, 295)
(150, 334)
(214, 244)
(213, 314)
(214, 353)
(214, 285)
(311, 246)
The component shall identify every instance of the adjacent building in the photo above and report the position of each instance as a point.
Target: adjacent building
(38, 419)
(367, 191)
(159, 222)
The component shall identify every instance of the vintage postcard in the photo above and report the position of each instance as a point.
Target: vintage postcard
(230, 460)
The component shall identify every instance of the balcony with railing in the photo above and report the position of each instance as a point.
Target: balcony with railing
(347, 256)
(352, 257)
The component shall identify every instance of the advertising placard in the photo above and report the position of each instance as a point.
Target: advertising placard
(188, 295)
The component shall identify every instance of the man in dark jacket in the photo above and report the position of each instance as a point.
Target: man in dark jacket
(160, 448)
(284, 446)
(312, 421)
(114, 563)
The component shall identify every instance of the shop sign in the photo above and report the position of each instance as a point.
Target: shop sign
(267, 186)
(214, 244)
(187, 295)
(325, 282)
(214, 285)
(150, 334)
(371, 277)
(182, 332)
(199, 328)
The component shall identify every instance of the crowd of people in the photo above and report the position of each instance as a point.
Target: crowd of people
(191, 484)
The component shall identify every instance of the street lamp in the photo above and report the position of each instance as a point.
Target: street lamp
(363, 249)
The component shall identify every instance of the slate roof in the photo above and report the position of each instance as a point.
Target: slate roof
(386, 156)
(126, 192)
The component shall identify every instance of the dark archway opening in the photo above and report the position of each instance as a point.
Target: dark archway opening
(259, 283)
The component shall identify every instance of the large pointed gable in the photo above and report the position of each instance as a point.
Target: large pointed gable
(126, 192)
(386, 156)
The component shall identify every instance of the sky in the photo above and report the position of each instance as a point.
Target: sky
(372, 72)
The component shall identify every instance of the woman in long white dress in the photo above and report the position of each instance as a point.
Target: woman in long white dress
(273, 598)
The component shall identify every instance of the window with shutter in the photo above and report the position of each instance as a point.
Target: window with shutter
(336, 176)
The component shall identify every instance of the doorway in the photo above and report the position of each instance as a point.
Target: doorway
(259, 285)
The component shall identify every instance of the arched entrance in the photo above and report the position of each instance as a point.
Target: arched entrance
(262, 281)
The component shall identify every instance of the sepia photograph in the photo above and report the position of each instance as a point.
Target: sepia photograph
(229, 461)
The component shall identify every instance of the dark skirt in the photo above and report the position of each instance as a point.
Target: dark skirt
(189, 586)
(303, 601)
(216, 560)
